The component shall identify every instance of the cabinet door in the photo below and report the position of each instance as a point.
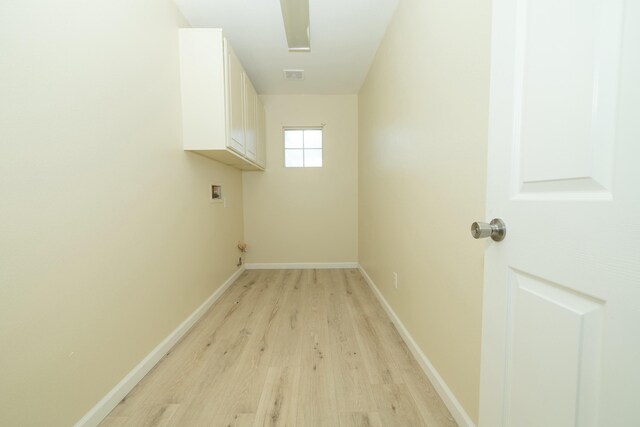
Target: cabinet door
(250, 99)
(235, 85)
(261, 140)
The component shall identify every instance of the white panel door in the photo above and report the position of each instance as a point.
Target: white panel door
(561, 326)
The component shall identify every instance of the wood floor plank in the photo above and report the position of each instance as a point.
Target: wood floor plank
(155, 415)
(381, 368)
(349, 372)
(360, 419)
(115, 420)
(427, 400)
(317, 404)
(288, 347)
(278, 403)
(247, 385)
(223, 391)
(396, 406)
(177, 375)
(242, 420)
(282, 341)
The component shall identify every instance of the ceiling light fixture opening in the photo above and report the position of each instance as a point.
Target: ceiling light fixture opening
(295, 14)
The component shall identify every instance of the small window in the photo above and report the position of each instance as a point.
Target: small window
(302, 148)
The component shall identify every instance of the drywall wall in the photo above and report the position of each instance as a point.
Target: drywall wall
(298, 215)
(108, 240)
(423, 114)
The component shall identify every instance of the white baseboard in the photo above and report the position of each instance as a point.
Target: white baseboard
(299, 265)
(111, 400)
(456, 409)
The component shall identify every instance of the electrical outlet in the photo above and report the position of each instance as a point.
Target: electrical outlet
(395, 280)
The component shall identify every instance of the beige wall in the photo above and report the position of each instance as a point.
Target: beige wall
(310, 214)
(108, 241)
(423, 134)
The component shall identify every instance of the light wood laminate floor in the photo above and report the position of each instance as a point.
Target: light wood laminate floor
(288, 347)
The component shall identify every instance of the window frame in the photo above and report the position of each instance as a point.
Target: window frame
(284, 146)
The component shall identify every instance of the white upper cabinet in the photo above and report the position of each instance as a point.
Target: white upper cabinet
(260, 126)
(251, 136)
(236, 105)
(219, 102)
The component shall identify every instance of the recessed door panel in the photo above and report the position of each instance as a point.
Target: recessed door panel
(250, 100)
(236, 89)
(554, 344)
(567, 60)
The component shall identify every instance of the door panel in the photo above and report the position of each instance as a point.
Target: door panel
(250, 100)
(236, 138)
(555, 344)
(562, 291)
(261, 132)
(565, 94)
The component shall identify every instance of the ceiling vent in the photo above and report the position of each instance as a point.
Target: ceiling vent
(293, 74)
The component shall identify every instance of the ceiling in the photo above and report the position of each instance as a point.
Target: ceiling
(345, 35)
